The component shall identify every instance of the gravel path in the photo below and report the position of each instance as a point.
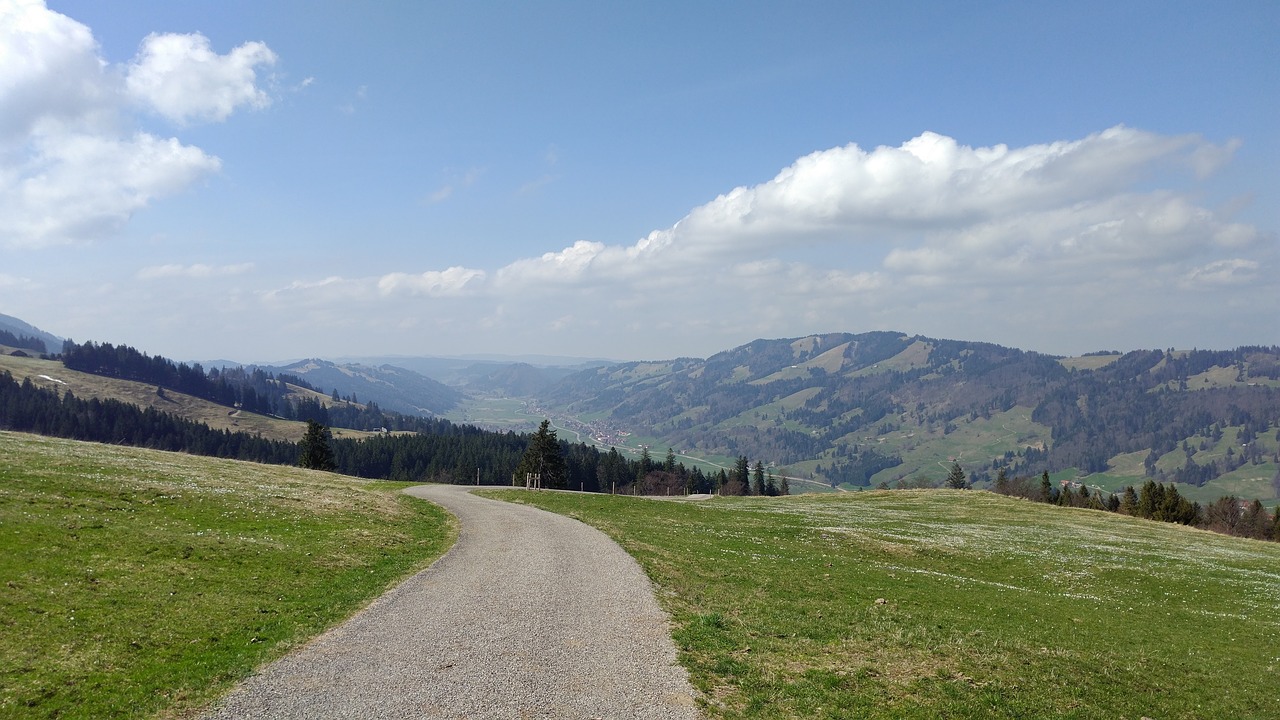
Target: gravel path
(530, 615)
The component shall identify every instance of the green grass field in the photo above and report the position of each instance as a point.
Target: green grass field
(143, 584)
(926, 604)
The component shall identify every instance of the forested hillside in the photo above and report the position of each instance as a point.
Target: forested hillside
(393, 388)
(252, 390)
(887, 407)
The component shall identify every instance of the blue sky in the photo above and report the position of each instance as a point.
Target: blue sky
(272, 180)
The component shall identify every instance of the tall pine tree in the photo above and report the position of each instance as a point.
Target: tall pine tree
(542, 460)
(956, 478)
(316, 449)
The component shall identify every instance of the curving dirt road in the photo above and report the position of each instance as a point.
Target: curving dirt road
(530, 615)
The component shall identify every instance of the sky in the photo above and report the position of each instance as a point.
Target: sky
(262, 181)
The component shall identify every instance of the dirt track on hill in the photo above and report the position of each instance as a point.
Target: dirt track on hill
(530, 615)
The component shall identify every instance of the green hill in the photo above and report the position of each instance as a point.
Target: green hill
(960, 604)
(143, 584)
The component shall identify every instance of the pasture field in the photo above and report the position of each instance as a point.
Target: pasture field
(143, 584)
(494, 412)
(959, 604)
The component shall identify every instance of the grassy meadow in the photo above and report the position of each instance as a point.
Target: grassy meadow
(959, 604)
(143, 584)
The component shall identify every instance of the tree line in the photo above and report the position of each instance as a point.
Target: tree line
(582, 467)
(440, 451)
(1153, 500)
(24, 407)
(23, 342)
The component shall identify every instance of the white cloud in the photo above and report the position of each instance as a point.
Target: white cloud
(72, 166)
(1062, 244)
(50, 72)
(183, 79)
(318, 292)
(198, 270)
(453, 281)
(1222, 272)
(1004, 244)
(558, 268)
(78, 187)
(928, 183)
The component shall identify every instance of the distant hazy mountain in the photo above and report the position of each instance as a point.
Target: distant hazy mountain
(24, 329)
(391, 387)
(507, 375)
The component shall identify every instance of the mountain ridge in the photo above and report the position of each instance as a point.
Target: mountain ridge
(862, 409)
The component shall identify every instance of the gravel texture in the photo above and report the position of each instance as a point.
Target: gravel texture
(530, 615)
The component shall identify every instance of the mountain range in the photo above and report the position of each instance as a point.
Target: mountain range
(887, 407)
(857, 410)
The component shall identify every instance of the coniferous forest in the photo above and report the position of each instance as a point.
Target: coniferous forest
(437, 450)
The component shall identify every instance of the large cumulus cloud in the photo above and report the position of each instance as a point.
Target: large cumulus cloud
(73, 167)
(929, 236)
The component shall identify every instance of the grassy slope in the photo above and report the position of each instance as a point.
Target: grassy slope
(992, 607)
(143, 584)
(218, 417)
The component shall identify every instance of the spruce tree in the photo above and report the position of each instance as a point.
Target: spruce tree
(1129, 501)
(316, 449)
(1002, 485)
(1066, 498)
(1255, 522)
(742, 473)
(543, 459)
(757, 480)
(956, 478)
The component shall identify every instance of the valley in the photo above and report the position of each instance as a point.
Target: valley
(833, 412)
